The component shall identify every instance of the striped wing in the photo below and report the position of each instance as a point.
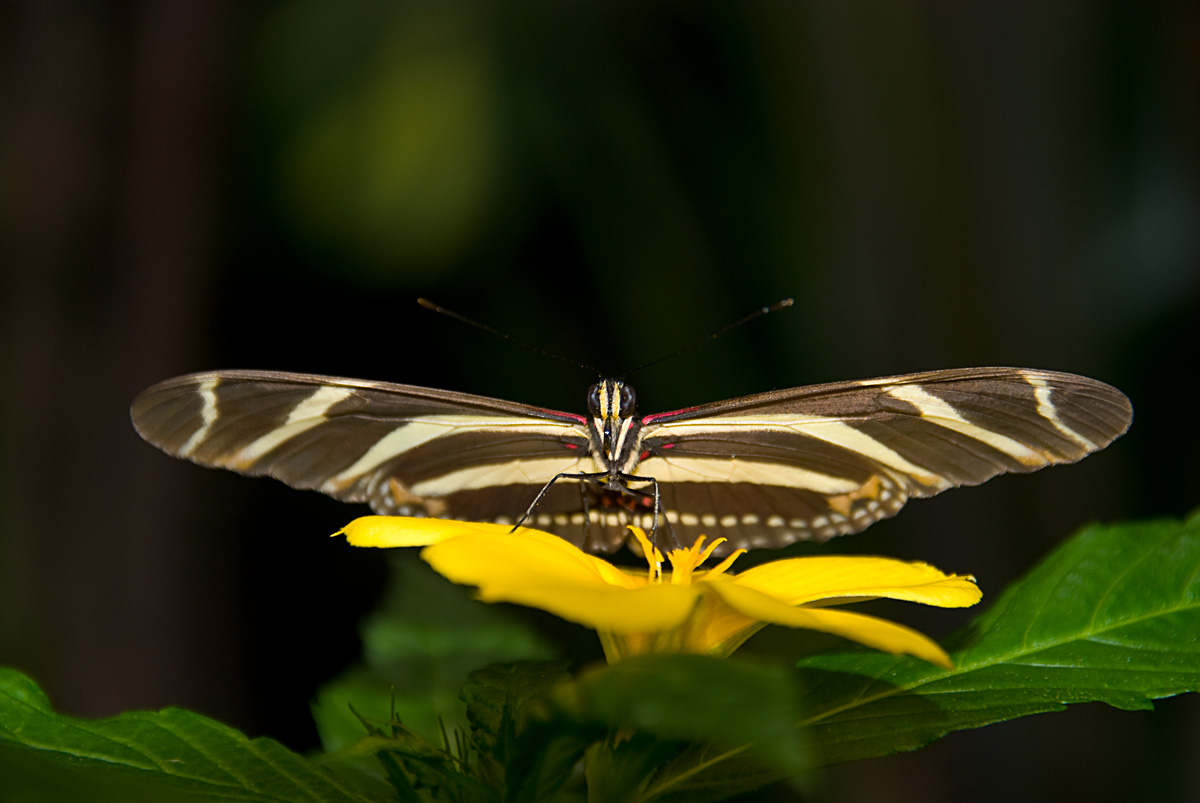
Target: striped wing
(826, 460)
(402, 449)
(764, 470)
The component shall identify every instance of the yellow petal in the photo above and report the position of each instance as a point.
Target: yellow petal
(523, 556)
(869, 630)
(650, 609)
(408, 531)
(716, 623)
(399, 531)
(543, 571)
(801, 580)
(533, 568)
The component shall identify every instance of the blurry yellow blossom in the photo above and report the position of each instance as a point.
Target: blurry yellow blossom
(686, 609)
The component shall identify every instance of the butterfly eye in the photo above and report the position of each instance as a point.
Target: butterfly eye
(594, 400)
(628, 401)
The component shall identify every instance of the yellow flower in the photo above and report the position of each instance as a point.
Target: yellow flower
(685, 610)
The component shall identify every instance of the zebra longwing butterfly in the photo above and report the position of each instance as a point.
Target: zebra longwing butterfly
(762, 471)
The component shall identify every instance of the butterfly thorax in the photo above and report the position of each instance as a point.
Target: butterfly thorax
(613, 428)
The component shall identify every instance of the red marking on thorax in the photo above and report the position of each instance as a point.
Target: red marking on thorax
(560, 414)
(649, 419)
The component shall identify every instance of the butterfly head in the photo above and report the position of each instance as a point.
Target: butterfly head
(611, 399)
(612, 405)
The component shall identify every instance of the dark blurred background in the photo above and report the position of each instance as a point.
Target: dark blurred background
(197, 185)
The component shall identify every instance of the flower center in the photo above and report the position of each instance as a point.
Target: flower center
(684, 562)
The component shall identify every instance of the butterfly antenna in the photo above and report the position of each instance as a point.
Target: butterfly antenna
(449, 313)
(758, 313)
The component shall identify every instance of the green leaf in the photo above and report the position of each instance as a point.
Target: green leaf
(502, 698)
(170, 755)
(623, 769)
(418, 650)
(419, 771)
(730, 725)
(1112, 616)
(706, 772)
(519, 748)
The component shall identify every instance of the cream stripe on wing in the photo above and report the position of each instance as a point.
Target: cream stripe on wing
(942, 413)
(514, 472)
(304, 416)
(427, 428)
(1047, 410)
(208, 414)
(829, 430)
(839, 433)
(706, 469)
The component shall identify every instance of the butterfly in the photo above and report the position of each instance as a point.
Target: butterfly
(765, 470)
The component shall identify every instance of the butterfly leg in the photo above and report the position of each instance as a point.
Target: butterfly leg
(651, 494)
(657, 510)
(585, 503)
(546, 489)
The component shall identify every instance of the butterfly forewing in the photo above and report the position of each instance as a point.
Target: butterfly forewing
(402, 449)
(826, 460)
(764, 470)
